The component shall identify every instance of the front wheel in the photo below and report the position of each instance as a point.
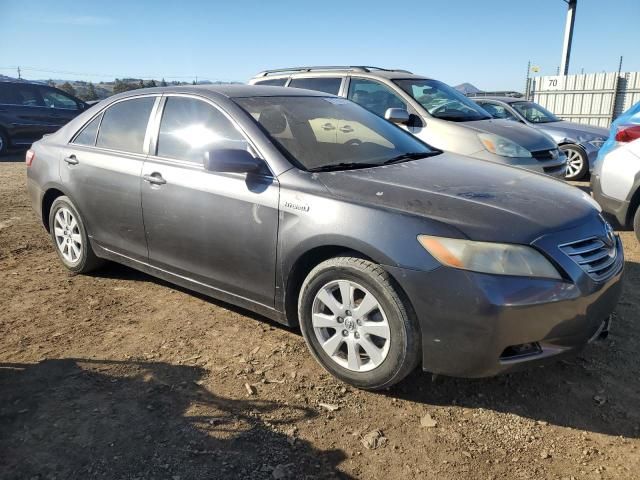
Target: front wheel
(357, 324)
(577, 162)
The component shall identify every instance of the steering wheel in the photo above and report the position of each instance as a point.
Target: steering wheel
(354, 142)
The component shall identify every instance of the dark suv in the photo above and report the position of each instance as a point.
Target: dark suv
(30, 110)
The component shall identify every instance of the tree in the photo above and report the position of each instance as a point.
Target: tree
(91, 93)
(151, 83)
(141, 85)
(67, 87)
(121, 86)
(51, 83)
(163, 83)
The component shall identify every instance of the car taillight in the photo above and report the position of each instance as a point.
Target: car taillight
(627, 133)
(29, 157)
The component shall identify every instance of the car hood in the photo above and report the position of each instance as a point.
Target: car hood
(573, 132)
(483, 200)
(530, 138)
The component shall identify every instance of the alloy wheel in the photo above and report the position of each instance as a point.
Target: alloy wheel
(350, 325)
(67, 234)
(574, 162)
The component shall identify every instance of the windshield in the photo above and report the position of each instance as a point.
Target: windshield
(442, 101)
(322, 133)
(534, 112)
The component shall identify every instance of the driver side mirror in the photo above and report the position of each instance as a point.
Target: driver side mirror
(397, 115)
(231, 160)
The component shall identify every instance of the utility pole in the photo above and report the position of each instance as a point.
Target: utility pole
(19, 76)
(568, 36)
(620, 65)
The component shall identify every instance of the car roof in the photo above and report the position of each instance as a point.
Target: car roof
(230, 91)
(500, 99)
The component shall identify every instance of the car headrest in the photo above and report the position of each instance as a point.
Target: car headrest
(273, 120)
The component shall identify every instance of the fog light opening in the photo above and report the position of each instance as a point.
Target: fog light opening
(521, 350)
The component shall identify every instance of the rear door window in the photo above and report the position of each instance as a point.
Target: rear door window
(124, 125)
(373, 96)
(20, 94)
(274, 82)
(190, 127)
(320, 84)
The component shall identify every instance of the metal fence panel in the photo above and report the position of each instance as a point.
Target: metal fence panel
(592, 98)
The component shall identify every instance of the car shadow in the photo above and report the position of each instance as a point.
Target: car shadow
(122, 272)
(595, 391)
(87, 418)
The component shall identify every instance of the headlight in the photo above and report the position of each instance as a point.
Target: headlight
(597, 143)
(487, 257)
(502, 146)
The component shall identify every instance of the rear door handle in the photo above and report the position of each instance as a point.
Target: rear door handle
(155, 179)
(71, 160)
(346, 129)
(328, 126)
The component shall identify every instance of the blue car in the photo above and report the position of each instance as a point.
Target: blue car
(580, 142)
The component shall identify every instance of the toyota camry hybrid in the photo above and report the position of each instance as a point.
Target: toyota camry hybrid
(313, 211)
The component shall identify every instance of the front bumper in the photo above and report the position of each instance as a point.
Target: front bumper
(472, 323)
(553, 167)
(612, 206)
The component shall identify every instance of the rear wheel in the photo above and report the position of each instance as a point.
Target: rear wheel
(70, 237)
(577, 162)
(357, 324)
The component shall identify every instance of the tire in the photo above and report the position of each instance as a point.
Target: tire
(577, 162)
(636, 223)
(371, 350)
(4, 143)
(70, 238)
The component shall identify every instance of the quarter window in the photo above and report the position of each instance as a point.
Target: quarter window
(124, 125)
(274, 82)
(323, 84)
(88, 134)
(190, 127)
(374, 96)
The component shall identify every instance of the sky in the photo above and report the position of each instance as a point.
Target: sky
(487, 43)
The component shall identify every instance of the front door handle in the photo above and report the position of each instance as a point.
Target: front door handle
(154, 179)
(328, 126)
(71, 160)
(346, 129)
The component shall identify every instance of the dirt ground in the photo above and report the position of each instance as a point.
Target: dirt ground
(118, 375)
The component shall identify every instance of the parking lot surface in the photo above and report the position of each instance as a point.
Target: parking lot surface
(118, 375)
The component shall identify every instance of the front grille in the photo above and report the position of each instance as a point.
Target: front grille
(594, 256)
(546, 155)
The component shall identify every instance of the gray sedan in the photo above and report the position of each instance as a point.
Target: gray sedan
(313, 211)
(580, 142)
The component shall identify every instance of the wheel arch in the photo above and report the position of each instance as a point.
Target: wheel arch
(48, 198)
(312, 257)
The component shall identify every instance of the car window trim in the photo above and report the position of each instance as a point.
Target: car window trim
(155, 132)
(145, 148)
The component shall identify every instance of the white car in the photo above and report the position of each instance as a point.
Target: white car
(615, 181)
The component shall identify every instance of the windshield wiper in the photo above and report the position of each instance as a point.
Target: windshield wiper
(343, 166)
(405, 157)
